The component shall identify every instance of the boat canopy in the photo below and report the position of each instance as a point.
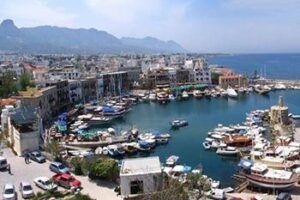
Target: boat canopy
(182, 168)
(188, 87)
(246, 163)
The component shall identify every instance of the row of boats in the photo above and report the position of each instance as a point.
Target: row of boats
(144, 142)
(164, 96)
(274, 165)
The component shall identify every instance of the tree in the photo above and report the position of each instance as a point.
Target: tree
(53, 148)
(25, 81)
(172, 190)
(8, 84)
(105, 168)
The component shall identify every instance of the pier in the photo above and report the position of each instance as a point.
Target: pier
(95, 144)
(287, 83)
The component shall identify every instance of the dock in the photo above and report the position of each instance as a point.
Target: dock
(95, 144)
(243, 183)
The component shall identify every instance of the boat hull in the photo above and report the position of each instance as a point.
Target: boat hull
(269, 183)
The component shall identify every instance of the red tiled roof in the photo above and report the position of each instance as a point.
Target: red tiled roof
(9, 101)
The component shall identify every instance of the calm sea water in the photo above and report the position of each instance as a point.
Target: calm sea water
(277, 66)
(203, 115)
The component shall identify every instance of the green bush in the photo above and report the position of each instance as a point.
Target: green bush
(76, 163)
(105, 168)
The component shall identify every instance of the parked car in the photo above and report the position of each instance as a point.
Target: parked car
(3, 163)
(45, 183)
(58, 167)
(26, 190)
(9, 192)
(66, 181)
(37, 157)
(284, 196)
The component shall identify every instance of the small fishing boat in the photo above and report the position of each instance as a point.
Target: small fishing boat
(197, 94)
(279, 86)
(172, 160)
(206, 145)
(262, 89)
(198, 169)
(162, 140)
(231, 92)
(152, 96)
(130, 148)
(178, 123)
(143, 146)
(120, 149)
(227, 151)
(185, 95)
(111, 150)
(296, 116)
(172, 97)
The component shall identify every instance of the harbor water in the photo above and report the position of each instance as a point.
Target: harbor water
(272, 66)
(203, 115)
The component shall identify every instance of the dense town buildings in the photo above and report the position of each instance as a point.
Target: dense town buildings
(65, 80)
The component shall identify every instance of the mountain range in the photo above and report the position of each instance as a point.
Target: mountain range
(52, 39)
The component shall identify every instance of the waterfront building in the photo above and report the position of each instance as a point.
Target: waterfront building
(45, 99)
(182, 75)
(199, 71)
(75, 91)
(24, 130)
(62, 91)
(279, 113)
(140, 176)
(158, 76)
(115, 83)
(133, 73)
(66, 72)
(234, 81)
(88, 86)
(99, 86)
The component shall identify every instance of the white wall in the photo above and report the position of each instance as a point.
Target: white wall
(148, 182)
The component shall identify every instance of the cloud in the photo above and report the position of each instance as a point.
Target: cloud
(35, 12)
(141, 16)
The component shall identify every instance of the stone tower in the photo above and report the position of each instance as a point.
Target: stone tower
(279, 113)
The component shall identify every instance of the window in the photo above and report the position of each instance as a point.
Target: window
(136, 187)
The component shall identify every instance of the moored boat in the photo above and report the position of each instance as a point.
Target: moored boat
(227, 151)
(231, 92)
(197, 94)
(178, 123)
(262, 176)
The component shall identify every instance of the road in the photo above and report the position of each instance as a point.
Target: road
(28, 172)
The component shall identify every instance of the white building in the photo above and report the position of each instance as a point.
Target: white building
(140, 176)
(24, 129)
(199, 71)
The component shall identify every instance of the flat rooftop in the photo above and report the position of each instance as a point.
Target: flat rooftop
(33, 92)
(137, 166)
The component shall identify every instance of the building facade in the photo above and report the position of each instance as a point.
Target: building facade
(115, 83)
(233, 81)
(24, 129)
(140, 176)
(62, 90)
(89, 92)
(45, 99)
(75, 91)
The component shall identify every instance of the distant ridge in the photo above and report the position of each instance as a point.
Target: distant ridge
(52, 39)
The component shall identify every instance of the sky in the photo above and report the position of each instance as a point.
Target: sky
(206, 26)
